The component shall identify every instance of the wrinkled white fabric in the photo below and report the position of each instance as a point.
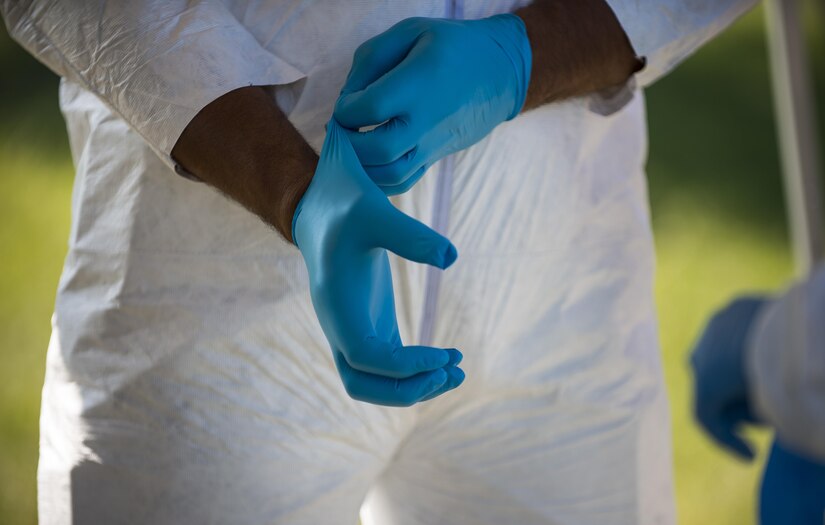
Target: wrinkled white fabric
(785, 363)
(188, 380)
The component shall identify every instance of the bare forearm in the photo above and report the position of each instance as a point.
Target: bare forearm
(244, 146)
(578, 47)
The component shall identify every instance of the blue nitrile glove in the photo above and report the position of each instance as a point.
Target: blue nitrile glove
(342, 226)
(720, 393)
(437, 86)
(793, 489)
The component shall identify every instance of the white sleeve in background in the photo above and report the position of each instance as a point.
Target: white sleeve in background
(785, 366)
(665, 32)
(155, 63)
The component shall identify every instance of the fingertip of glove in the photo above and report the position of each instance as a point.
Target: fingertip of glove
(741, 449)
(456, 376)
(742, 454)
(455, 357)
(450, 256)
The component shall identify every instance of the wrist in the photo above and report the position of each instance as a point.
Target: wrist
(290, 194)
(579, 47)
(244, 146)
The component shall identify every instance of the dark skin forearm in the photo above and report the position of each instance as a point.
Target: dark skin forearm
(578, 47)
(244, 146)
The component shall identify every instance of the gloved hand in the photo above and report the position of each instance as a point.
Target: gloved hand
(342, 226)
(437, 87)
(721, 397)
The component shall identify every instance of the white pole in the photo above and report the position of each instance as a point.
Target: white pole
(798, 141)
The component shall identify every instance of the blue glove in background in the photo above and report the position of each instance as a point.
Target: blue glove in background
(436, 87)
(793, 489)
(720, 394)
(343, 226)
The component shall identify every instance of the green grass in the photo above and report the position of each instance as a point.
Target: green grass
(35, 193)
(34, 213)
(718, 216)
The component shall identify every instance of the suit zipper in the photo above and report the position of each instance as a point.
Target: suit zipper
(440, 221)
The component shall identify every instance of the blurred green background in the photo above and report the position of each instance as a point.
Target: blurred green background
(718, 214)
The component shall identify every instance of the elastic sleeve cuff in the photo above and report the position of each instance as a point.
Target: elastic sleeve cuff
(785, 366)
(609, 101)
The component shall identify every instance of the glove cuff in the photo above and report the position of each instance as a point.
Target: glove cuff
(516, 46)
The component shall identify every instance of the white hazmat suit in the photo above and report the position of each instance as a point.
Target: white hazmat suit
(188, 380)
(785, 366)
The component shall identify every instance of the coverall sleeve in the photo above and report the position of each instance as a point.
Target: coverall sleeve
(785, 366)
(665, 32)
(155, 63)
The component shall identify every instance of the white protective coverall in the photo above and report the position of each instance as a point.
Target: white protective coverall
(785, 366)
(188, 380)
